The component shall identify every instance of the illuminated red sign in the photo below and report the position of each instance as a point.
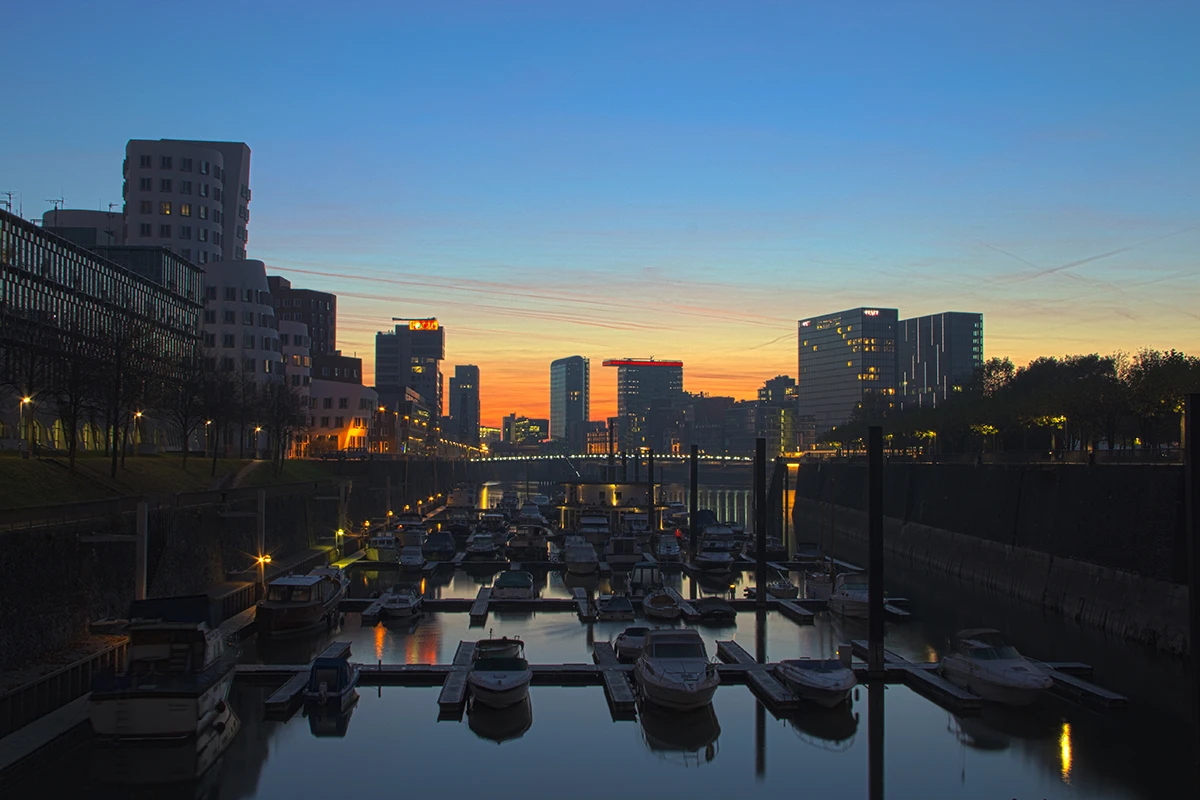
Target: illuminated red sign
(870, 312)
(640, 362)
(422, 324)
(806, 323)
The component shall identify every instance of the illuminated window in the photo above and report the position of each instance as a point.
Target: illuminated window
(185, 209)
(165, 209)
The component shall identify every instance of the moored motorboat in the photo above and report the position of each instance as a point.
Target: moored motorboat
(481, 547)
(674, 671)
(176, 677)
(714, 609)
(499, 681)
(513, 585)
(717, 549)
(412, 559)
(622, 551)
(594, 526)
(628, 644)
(849, 596)
(825, 682)
(504, 647)
(384, 547)
(528, 542)
(658, 603)
(780, 588)
(331, 683)
(667, 548)
(581, 559)
(983, 663)
(298, 603)
(403, 602)
(817, 585)
(808, 554)
(613, 607)
(440, 546)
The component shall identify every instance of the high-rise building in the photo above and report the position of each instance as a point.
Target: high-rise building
(410, 357)
(464, 404)
(847, 360)
(239, 325)
(570, 382)
(780, 393)
(193, 197)
(645, 386)
(938, 354)
(317, 310)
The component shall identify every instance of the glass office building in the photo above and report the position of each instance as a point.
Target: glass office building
(846, 359)
(938, 354)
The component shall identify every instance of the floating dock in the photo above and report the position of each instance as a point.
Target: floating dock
(284, 700)
(453, 697)
(774, 695)
(795, 612)
(479, 610)
(622, 701)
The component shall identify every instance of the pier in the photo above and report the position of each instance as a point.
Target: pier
(774, 695)
(622, 701)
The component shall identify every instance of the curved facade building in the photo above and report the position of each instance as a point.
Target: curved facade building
(193, 197)
(238, 324)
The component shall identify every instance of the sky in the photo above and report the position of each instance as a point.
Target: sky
(683, 180)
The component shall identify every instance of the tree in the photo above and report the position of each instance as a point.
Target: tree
(181, 399)
(284, 414)
(73, 387)
(122, 382)
(219, 400)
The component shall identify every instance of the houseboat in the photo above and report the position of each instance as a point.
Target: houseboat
(299, 603)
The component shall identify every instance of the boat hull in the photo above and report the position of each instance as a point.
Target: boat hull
(849, 606)
(989, 688)
(713, 564)
(827, 694)
(293, 620)
(668, 609)
(583, 567)
(485, 692)
(385, 554)
(157, 712)
(679, 696)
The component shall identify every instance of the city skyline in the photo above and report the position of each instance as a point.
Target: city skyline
(569, 181)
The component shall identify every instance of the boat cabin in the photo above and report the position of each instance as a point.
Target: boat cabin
(301, 589)
(681, 644)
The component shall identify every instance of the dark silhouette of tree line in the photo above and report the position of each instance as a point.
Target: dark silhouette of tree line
(1077, 402)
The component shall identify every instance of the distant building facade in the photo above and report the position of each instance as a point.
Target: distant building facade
(86, 228)
(317, 310)
(464, 405)
(938, 354)
(570, 402)
(846, 359)
(190, 196)
(650, 401)
(410, 357)
(239, 325)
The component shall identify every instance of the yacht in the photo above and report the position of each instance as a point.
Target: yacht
(826, 682)
(717, 548)
(658, 603)
(528, 543)
(594, 526)
(175, 681)
(629, 643)
(383, 547)
(817, 585)
(500, 681)
(674, 671)
(509, 502)
(983, 663)
(481, 547)
(714, 609)
(299, 603)
(530, 514)
(440, 546)
(403, 602)
(503, 647)
(331, 683)
(513, 585)
(581, 559)
(493, 522)
(667, 549)
(637, 525)
(849, 595)
(614, 607)
(412, 559)
(622, 551)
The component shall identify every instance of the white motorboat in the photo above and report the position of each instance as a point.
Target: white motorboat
(674, 671)
(175, 680)
(849, 595)
(984, 664)
(402, 602)
(581, 559)
(503, 647)
(629, 643)
(825, 682)
(622, 551)
(481, 547)
(500, 681)
(412, 559)
(383, 547)
(594, 527)
(658, 603)
(717, 548)
(667, 549)
(513, 585)
(780, 588)
(614, 608)
(637, 525)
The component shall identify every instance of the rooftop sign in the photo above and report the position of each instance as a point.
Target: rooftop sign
(640, 362)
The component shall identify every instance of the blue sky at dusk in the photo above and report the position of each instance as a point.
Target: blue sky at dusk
(682, 180)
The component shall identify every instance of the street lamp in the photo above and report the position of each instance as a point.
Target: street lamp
(21, 413)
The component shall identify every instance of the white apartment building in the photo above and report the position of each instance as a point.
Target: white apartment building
(193, 197)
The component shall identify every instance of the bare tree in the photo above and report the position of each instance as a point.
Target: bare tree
(219, 401)
(181, 400)
(72, 387)
(27, 366)
(284, 415)
(122, 381)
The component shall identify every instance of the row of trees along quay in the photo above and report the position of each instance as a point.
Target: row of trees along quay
(115, 378)
(1084, 402)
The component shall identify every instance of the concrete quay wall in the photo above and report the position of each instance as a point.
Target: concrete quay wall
(1100, 545)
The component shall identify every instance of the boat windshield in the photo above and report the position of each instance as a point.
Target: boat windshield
(855, 581)
(994, 653)
(679, 650)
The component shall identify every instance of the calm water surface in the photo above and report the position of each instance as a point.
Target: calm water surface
(564, 742)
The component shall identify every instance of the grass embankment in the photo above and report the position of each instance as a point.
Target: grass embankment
(43, 482)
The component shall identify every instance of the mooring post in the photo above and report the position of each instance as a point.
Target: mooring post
(875, 545)
(261, 539)
(1191, 484)
(760, 522)
(388, 501)
(650, 490)
(694, 503)
(875, 701)
(143, 526)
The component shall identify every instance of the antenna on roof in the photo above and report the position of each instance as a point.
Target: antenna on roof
(58, 201)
